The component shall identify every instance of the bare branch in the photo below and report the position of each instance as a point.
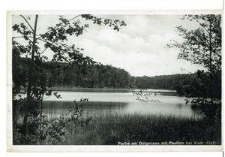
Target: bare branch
(74, 17)
(27, 22)
(21, 37)
(28, 37)
(44, 50)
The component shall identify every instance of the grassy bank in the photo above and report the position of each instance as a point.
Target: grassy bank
(111, 129)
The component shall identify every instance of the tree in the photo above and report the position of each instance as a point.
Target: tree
(202, 45)
(30, 72)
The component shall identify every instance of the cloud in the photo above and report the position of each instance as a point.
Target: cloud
(138, 64)
(140, 47)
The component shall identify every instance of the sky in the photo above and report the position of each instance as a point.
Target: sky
(140, 47)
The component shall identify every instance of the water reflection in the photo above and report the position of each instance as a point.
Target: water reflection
(92, 109)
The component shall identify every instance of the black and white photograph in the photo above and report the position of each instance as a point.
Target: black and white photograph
(119, 79)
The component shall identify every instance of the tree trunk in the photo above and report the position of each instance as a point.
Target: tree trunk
(210, 60)
(29, 97)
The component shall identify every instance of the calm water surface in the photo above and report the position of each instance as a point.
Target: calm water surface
(119, 103)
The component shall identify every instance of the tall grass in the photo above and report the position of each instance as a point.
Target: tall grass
(114, 128)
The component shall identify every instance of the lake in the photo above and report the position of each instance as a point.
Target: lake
(100, 103)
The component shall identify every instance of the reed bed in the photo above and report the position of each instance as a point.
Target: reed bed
(113, 129)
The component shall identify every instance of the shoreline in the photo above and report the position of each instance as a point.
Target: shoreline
(79, 89)
(115, 90)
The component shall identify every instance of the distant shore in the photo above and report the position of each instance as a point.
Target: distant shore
(112, 90)
(80, 89)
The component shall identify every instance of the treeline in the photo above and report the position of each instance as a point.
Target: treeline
(107, 76)
(89, 76)
(163, 82)
(197, 84)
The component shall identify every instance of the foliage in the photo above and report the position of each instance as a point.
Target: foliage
(29, 57)
(48, 130)
(31, 77)
(88, 76)
(41, 130)
(101, 76)
(202, 45)
(172, 82)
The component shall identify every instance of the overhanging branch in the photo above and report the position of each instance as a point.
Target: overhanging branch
(27, 22)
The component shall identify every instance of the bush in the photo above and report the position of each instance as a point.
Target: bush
(43, 130)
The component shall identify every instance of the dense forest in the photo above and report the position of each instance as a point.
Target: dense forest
(107, 76)
(96, 75)
(90, 74)
(163, 82)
